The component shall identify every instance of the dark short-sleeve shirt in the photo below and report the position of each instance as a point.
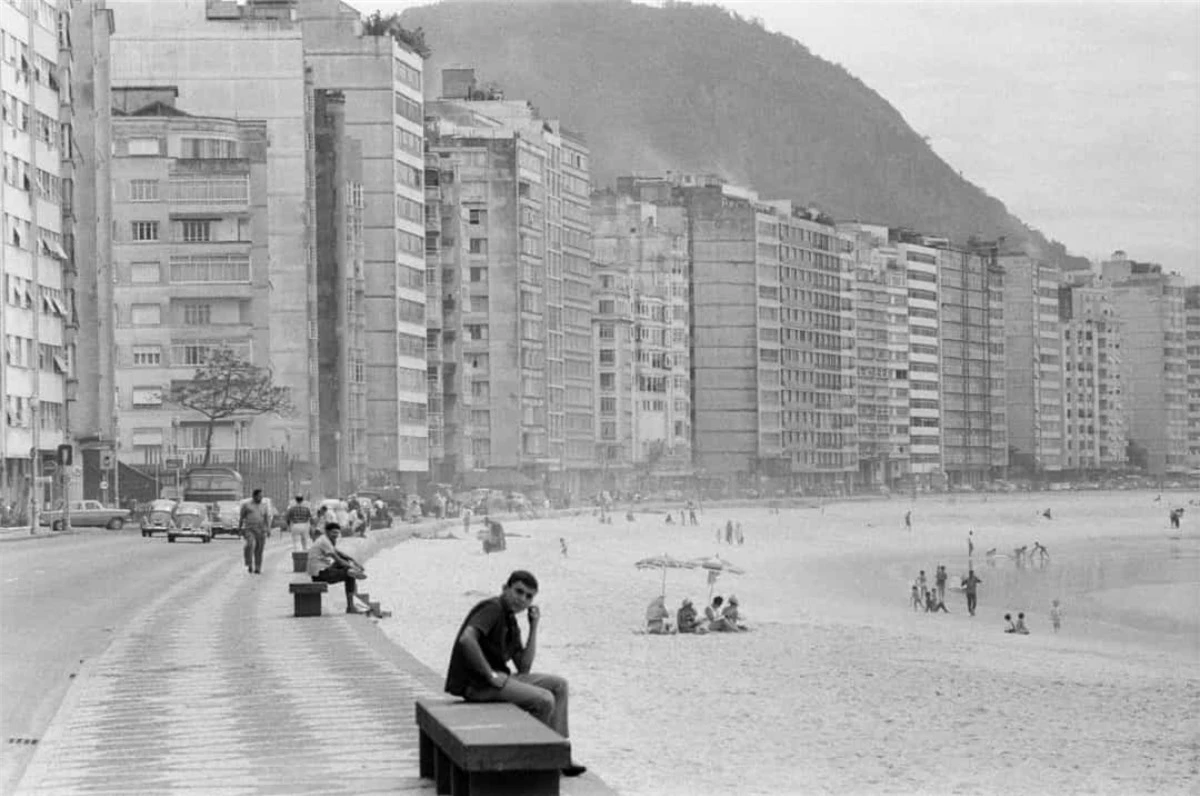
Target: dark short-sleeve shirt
(499, 638)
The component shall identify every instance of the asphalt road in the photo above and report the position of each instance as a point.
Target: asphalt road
(61, 598)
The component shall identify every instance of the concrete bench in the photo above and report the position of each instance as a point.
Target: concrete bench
(488, 749)
(306, 596)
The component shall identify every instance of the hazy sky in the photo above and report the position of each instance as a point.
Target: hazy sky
(1083, 117)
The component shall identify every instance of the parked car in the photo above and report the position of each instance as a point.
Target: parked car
(160, 518)
(225, 516)
(88, 514)
(191, 519)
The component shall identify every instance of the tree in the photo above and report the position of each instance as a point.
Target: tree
(228, 386)
(377, 24)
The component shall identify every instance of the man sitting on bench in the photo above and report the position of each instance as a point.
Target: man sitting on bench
(327, 564)
(488, 639)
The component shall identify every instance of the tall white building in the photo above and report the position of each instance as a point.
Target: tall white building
(36, 307)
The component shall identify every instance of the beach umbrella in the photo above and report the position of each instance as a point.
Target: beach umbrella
(716, 566)
(664, 562)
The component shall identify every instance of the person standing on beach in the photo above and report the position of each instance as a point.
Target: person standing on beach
(488, 640)
(908, 520)
(940, 580)
(970, 585)
(1055, 615)
(253, 523)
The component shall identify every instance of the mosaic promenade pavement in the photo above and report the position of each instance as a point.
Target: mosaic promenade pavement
(214, 688)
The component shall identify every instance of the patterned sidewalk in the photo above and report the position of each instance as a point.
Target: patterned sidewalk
(216, 688)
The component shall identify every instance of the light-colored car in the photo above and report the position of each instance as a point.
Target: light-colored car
(160, 518)
(88, 514)
(191, 520)
(225, 517)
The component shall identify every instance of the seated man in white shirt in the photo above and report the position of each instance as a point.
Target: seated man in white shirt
(327, 564)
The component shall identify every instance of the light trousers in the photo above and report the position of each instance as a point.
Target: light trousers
(543, 695)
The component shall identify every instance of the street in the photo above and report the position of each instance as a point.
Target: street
(61, 598)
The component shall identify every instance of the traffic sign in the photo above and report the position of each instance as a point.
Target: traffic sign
(174, 464)
(66, 455)
(49, 467)
(104, 484)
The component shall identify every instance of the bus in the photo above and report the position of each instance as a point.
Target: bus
(212, 484)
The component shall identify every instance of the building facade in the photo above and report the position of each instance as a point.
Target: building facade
(640, 288)
(381, 83)
(1192, 336)
(1095, 432)
(1150, 304)
(37, 309)
(973, 398)
(341, 293)
(190, 276)
(246, 60)
(1033, 365)
(924, 359)
(513, 244)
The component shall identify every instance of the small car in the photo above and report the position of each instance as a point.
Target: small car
(225, 517)
(191, 519)
(160, 518)
(88, 513)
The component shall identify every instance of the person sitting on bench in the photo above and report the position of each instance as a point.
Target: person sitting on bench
(488, 639)
(327, 564)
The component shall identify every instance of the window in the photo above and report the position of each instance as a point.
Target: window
(210, 190)
(147, 356)
(143, 147)
(479, 275)
(207, 148)
(143, 273)
(202, 268)
(478, 246)
(477, 217)
(147, 396)
(197, 314)
(195, 231)
(145, 315)
(607, 356)
(143, 190)
(144, 230)
(408, 108)
(476, 331)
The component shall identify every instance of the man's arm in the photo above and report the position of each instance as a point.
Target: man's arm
(242, 518)
(468, 640)
(524, 661)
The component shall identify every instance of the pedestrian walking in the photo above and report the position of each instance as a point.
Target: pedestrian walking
(970, 585)
(299, 522)
(908, 520)
(253, 522)
(1055, 615)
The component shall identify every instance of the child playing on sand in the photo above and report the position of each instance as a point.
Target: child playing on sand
(1020, 627)
(916, 597)
(1011, 627)
(1055, 615)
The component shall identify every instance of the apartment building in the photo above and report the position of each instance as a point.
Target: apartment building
(881, 317)
(189, 247)
(246, 60)
(381, 84)
(973, 398)
(86, 99)
(37, 308)
(1095, 432)
(341, 297)
(772, 336)
(1150, 304)
(1192, 336)
(920, 261)
(512, 348)
(640, 288)
(1033, 364)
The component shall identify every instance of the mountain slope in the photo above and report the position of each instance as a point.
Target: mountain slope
(696, 88)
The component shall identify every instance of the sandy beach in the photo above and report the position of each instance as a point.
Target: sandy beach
(840, 687)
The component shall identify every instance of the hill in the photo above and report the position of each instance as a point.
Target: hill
(698, 88)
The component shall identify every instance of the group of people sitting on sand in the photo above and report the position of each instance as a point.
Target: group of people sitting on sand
(719, 617)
